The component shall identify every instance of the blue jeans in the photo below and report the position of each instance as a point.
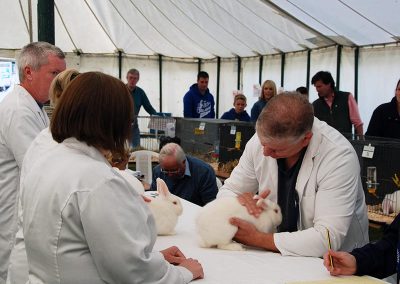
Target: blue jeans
(135, 135)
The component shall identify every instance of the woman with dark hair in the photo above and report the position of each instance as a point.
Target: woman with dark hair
(83, 223)
(385, 120)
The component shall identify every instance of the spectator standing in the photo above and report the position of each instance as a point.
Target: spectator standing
(22, 117)
(139, 99)
(338, 109)
(198, 102)
(238, 111)
(385, 120)
(268, 91)
(303, 91)
(187, 177)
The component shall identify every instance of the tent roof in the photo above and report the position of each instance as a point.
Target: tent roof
(206, 28)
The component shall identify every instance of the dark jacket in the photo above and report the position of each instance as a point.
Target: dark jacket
(233, 115)
(385, 121)
(257, 108)
(338, 116)
(200, 187)
(380, 259)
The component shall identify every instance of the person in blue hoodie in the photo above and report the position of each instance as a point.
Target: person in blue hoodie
(238, 112)
(198, 102)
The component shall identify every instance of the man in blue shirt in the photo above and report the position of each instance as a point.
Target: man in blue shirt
(185, 176)
(198, 102)
(139, 99)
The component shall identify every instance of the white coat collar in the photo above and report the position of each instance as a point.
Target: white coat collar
(308, 160)
(90, 151)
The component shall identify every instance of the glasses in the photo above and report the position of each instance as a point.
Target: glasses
(170, 172)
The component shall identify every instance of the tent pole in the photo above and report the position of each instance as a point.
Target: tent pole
(283, 56)
(238, 71)
(356, 58)
(198, 65)
(45, 9)
(160, 75)
(218, 82)
(119, 64)
(308, 69)
(260, 69)
(338, 60)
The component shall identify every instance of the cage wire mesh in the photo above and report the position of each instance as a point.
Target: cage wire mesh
(152, 128)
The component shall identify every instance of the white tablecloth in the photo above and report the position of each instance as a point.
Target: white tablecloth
(251, 266)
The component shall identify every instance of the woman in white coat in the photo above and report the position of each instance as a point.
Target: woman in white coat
(83, 223)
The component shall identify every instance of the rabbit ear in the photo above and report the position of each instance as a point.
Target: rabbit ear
(162, 188)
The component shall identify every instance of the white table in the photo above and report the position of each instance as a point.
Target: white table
(251, 266)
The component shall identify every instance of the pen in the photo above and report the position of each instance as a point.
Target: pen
(329, 246)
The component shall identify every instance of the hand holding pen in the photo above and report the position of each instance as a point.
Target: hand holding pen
(343, 263)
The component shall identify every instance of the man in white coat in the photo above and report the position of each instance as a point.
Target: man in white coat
(311, 171)
(21, 118)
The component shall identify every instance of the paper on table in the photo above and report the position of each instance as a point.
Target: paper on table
(347, 280)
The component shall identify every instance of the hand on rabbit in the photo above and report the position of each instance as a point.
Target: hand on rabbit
(248, 234)
(249, 200)
(173, 255)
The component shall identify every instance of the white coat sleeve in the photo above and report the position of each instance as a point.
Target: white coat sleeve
(332, 202)
(120, 233)
(23, 129)
(243, 177)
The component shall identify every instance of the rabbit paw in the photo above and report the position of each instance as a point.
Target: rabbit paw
(231, 246)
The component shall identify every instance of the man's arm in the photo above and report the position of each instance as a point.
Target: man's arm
(187, 106)
(355, 115)
(147, 105)
(208, 188)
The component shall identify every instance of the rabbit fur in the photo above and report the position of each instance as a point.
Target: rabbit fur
(166, 209)
(213, 225)
(391, 203)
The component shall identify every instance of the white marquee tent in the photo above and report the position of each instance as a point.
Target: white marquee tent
(167, 40)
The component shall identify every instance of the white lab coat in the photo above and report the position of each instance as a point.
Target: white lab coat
(18, 268)
(329, 188)
(21, 119)
(83, 223)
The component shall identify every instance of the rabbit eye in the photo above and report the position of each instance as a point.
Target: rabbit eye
(174, 202)
(276, 211)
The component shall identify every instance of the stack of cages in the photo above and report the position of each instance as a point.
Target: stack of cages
(380, 172)
(217, 141)
(152, 128)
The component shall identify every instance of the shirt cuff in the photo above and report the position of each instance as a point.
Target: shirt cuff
(187, 275)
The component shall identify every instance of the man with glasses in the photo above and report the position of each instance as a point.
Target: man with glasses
(311, 171)
(185, 176)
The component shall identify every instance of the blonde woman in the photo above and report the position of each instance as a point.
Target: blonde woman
(268, 90)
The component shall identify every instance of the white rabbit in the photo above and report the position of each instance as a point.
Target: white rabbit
(213, 224)
(166, 209)
(391, 203)
(137, 185)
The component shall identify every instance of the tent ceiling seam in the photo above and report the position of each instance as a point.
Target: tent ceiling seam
(97, 19)
(365, 18)
(205, 31)
(238, 39)
(189, 38)
(247, 28)
(161, 34)
(296, 21)
(23, 15)
(65, 26)
(268, 23)
(126, 22)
